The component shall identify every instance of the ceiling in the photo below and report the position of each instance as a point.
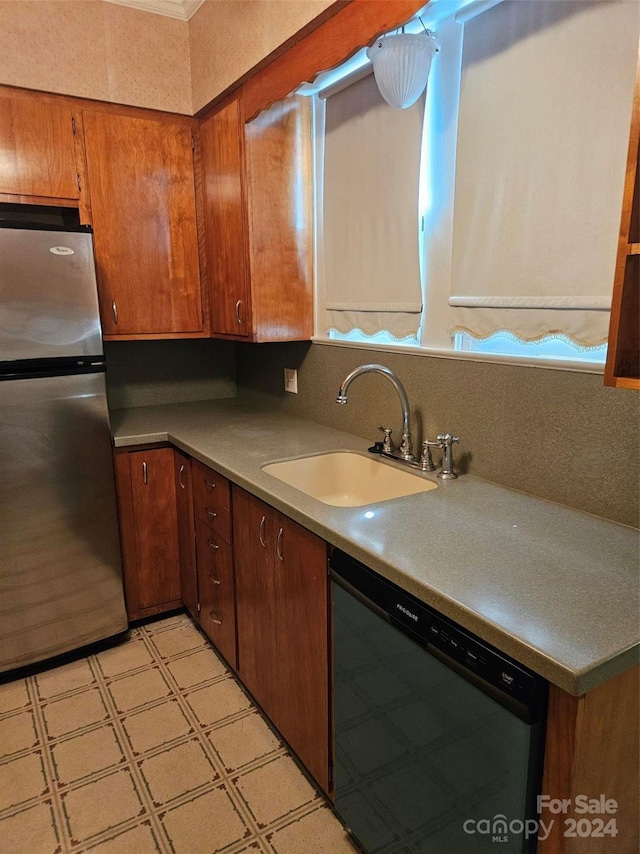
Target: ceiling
(183, 10)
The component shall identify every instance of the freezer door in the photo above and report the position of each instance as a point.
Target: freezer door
(48, 295)
(60, 568)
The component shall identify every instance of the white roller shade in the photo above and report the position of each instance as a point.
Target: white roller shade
(545, 108)
(370, 212)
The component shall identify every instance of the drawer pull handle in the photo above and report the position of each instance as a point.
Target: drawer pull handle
(213, 580)
(209, 484)
(144, 472)
(261, 532)
(181, 477)
(214, 619)
(279, 545)
(238, 318)
(210, 513)
(212, 545)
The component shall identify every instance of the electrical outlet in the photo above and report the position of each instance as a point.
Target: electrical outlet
(291, 380)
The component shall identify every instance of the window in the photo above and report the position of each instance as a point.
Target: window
(509, 220)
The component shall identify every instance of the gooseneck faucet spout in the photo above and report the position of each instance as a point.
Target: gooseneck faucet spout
(406, 447)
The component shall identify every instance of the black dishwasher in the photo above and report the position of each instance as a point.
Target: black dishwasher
(439, 737)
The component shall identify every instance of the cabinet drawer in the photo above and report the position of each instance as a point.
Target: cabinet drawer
(210, 487)
(211, 495)
(216, 518)
(217, 593)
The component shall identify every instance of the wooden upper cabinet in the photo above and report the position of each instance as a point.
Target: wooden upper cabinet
(258, 212)
(37, 149)
(141, 181)
(225, 220)
(280, 196)
(623, 356)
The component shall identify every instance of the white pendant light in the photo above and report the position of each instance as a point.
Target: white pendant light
(401, 65)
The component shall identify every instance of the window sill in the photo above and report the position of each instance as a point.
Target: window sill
(459, 355)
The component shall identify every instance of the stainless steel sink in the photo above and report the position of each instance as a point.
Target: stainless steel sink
(348, 479)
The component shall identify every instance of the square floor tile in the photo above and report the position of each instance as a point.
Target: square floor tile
(101, 804)
(275, 789)
(69, 677)
(32, 831)
(154, 727)
(179, 639)
(22, 779)
(83, 755)
(17, 732)
(130, 655)
(13, 696)
(140, 839)
(217, 701)
(244, 741)
(131, 692)
(74, 713)
(177, 771)
(319, 832)
(208, 823)
(196, 668)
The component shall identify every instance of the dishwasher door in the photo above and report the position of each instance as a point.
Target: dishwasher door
(426, 761)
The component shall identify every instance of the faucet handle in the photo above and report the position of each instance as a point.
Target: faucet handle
(387, 444)
(447, 440)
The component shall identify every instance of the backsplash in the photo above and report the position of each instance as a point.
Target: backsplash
(149, 373)
(559, 435)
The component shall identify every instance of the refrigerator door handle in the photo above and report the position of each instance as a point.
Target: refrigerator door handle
(144, 472)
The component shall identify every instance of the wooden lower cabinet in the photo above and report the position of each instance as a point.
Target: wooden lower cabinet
(186, 533)
(148, 530)
(283, 628)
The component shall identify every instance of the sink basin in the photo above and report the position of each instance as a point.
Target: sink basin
(346, 479)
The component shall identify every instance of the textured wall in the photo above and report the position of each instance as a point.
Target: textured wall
(554, 434)
(96, 50)
(149, 373)
(229, 37)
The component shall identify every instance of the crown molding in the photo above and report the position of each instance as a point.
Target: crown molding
(182, 10)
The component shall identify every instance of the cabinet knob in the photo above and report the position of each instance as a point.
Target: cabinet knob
(144, 472)
(114, 309)
(210, 513)
(181, 477)
(209, 484)
(213, 580)
(261, 532)
(212, 545)
(238, 318)
(214, 619)
(279, 544)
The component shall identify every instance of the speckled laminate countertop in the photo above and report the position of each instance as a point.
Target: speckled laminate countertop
(553, 587)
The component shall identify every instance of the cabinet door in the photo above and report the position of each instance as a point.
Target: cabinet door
(253, 523)
(225, 220)
(141, 182)
(156, 526)
(280, 212)
(302, 644)
(186, 533)
(38, 150)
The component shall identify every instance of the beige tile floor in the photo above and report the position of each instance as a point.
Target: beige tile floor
(150, 746)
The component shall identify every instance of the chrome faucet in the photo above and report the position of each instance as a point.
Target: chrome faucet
(405, 452)
(406, 446)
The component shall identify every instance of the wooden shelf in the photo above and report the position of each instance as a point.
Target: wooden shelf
(622, 369)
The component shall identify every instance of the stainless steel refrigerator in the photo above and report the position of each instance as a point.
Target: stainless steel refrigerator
(60, 565)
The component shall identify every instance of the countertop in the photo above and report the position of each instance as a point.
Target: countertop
(555, 588)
